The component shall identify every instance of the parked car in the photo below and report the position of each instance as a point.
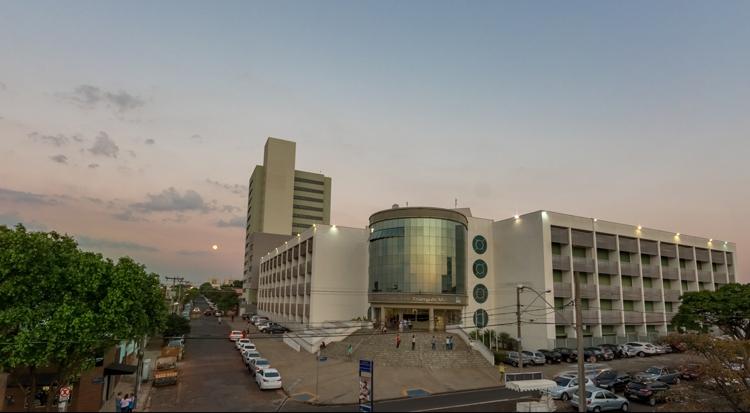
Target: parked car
(256, 320)
(660, 373)
(218, 314)
(599, 400)
(240, 342)
(567, 354)
(551, 356)
(268, 379)
(617, 350)
(597, 353)
(514, 359)
(537, 358)
(691, 371)
(642, 349)
(267, 325)
(208, 312)
(235, 335)
(249, 356)
(660, 349)
(276, 329)
(647, 392)
(611, 380)
(566, 386)
(247, 347)
(258, 364)
(608, 353)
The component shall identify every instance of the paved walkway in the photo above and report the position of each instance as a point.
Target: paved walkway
(337, 379)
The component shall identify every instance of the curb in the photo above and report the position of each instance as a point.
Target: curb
(390, 399)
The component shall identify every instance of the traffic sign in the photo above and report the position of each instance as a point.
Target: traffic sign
(365, 366)
(64, 393)
(322, 358)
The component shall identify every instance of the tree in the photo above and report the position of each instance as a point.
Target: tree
(727, 309)
(237, 284)
(176, 326)
(62, 306)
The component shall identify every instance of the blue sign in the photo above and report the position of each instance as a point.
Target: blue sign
(365, 366)
(366, 408)
(322, 358)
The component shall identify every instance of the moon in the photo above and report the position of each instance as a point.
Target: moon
(214, 247)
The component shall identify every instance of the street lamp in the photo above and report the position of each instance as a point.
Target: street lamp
(519, 289)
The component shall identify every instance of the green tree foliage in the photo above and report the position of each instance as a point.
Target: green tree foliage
(63, 306)
(237, 284)
(727, 309)
(176, 325)
(225, 298)
(190, 295)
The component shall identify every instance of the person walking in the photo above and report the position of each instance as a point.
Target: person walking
(349, 351)
(118, 399)
(131, 403)
(125, 403)
(434, 343)
(450, 340)
(413, 342)
(398, 341)
(447, 342)
(219, 320)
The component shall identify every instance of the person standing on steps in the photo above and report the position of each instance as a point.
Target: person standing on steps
(434, 343)
(413, 342)
(398, 340)
(447, 343)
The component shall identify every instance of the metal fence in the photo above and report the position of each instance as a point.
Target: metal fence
(597, 341)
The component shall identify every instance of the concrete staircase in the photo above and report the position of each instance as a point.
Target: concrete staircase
(372, 345)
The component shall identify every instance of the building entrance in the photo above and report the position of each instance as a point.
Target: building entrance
(416, 318)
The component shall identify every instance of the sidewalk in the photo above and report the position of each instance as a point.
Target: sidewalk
(338, 383)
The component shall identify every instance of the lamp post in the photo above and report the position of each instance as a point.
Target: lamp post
(519, 289)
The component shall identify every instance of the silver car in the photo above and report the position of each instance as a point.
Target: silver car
(599, 400)
(566, 386)
(536, 357)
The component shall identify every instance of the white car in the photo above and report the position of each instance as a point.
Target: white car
(641, 349)
(242, 341)
(268, 379)
(249, 356)
(257, 365)
(566, 386)
(235, 335)
(245, 347)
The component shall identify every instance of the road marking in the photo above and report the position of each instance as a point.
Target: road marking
(458, 406)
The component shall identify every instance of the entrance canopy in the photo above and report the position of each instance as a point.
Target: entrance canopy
(117, 369)
(531, 385)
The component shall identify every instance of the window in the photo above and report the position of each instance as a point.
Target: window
(624, 256)
(608, 331)
(628, 305)
(583, 278)
(479, 243)
(557, 276)
(715, 266)
(579, 252)
(313, 217)
(308, 181)
(605, 280)
(664, 262)
(556, 249)
(584, 303)
(648, 283)
(650, 329)
(667, 284)
(602, 255)
(649, 306)
(683, 263)
(559, 303)
(605, 305)
(560, 332)
(308, 208)
(627, 281)
(630, 329)
(645, 259)
(684, 286)
(314, 191)
(307, 198)
(668, 307)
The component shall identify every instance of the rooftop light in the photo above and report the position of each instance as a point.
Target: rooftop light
(640, 227)
(516, 216)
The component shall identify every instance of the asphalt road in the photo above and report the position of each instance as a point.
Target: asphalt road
(213, 376)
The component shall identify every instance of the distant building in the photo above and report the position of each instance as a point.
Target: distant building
(282, 202)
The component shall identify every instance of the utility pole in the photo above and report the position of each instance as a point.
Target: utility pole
(518, 322)
(579, 341)
(174, 281)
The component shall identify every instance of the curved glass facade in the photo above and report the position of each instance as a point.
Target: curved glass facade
(418, 256)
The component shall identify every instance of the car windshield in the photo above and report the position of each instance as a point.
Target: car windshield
(562, 381)
(261, 362)
(271, 374)
(653, 370)
(253, 354)
(588, 394)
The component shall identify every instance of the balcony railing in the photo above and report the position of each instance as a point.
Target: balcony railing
(609, 291)
(672, 296)
(652, 294)
(583, 264)
(655, 317)
(670, 316)
(631, 293)
(704, 275)
(720, 277)
(633, 317)
(588, 291)
(611, 317)
(630, 268)
(564, 317)
(561, 262)
(562, 290)
(590, 316)
(670, 273)
(607, 267)
(651, 271)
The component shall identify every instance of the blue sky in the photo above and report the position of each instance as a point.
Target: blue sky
(629, 111)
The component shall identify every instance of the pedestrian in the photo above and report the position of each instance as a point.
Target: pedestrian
(118, 399)
(131, 403)
(413, 342)
(401, 327)
(398, 340)
(349, 351)
(447, 343)
(219, 320)
(233, 318)
(125, 403)
(385, 329)
(434, 343)
(450, 340)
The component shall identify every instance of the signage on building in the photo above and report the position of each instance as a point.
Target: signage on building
(365, 385)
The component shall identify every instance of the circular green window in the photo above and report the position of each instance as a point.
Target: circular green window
(480, 244)
(480, 268)
(480, 293)
(481, 318)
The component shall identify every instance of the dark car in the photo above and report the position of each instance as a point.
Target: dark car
(276, 329)
(691, 371)
(567, 354)
(612, 380)
(661, 373)
(596, 352)
(647, 392)
(608, 353)
(551, 356)
(208, 312)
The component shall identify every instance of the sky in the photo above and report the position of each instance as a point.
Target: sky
(134, 126)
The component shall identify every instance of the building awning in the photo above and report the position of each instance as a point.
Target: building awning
(531, 385)
(117, 369)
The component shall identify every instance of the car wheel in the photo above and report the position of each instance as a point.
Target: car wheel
(565, 397)
(624, 407)
(641, 354)
(597, 409)
(652, 402)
